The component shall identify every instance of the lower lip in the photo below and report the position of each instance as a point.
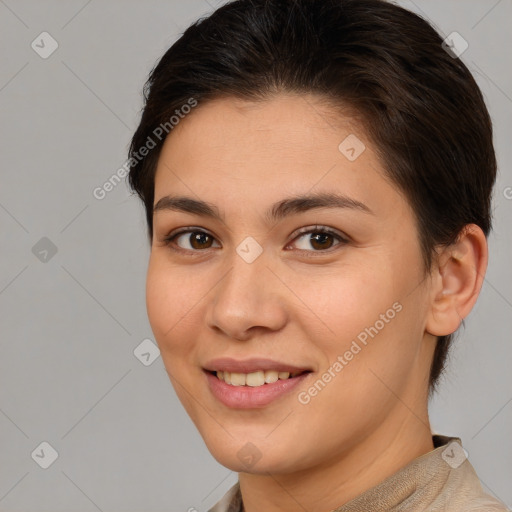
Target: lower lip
(247, 397)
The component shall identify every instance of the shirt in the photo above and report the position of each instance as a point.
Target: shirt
(442, 480)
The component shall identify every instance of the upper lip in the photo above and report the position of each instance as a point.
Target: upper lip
(227, 364)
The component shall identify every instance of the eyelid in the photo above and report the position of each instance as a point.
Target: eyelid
(322, 229)
(169, 239)
(343, 239)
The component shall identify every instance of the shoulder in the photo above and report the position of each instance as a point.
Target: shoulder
(485, 503)
(461, 489)
(470, 495)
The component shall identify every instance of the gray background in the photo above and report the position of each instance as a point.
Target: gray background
(70, 324)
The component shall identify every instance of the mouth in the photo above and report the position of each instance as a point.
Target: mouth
(252, 383)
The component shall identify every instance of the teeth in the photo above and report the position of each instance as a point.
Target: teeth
(271, 376)
(254, 379)
(238, 379)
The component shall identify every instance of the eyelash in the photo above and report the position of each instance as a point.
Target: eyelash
(169, 240)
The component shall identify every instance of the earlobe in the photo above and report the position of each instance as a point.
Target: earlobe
(457, 281)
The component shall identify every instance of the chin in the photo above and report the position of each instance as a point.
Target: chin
(251, 464)
(253, 455)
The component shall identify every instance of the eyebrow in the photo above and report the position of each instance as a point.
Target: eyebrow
(278, 211)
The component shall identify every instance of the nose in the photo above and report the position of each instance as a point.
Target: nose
(249, 300)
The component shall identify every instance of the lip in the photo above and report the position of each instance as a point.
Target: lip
(228, 364)
(247, 397)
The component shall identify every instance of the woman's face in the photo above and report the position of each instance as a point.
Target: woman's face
(259, 281)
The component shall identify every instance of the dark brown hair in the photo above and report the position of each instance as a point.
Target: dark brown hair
(419, 105)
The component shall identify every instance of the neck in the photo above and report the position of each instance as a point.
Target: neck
(335, 482)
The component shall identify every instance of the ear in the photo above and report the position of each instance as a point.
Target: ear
(457, 281)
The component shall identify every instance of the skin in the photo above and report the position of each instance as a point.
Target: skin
(371, 419)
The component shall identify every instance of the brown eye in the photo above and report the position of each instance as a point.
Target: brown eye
(200, 240)
(191, 240)
(318, 239)
(321, 240)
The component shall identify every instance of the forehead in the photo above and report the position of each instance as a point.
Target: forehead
(255, 152)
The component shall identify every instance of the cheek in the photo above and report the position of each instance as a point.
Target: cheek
(370, 318)
(159, 299)
(347, 299)
(170, 301)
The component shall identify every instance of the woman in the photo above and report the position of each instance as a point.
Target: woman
(318, 220)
